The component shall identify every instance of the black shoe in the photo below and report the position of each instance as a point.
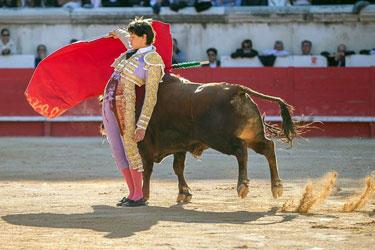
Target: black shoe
(122, 201)
(131, 203)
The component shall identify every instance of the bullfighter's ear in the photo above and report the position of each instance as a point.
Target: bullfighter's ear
(154, 59)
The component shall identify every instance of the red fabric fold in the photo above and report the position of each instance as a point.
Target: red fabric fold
(81, 70)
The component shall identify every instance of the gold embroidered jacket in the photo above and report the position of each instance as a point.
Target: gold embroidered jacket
(145, 67)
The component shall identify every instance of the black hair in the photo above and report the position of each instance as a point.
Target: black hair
(140, 27)
(212, 50)
(41, 46)
(279, 42)
(306, 41)
(3, 30)
(247, 41)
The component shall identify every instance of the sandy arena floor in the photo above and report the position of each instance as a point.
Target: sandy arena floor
(60, 193)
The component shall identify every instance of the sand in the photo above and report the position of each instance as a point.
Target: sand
(60, 193)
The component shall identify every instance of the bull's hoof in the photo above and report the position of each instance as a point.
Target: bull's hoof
(184, 197)
(277, 189)
(243, 190)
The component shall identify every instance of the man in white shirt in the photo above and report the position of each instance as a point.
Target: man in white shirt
(278, 50)
(212, 58)
(6, 45)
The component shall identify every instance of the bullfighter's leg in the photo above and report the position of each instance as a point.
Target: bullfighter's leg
(148, 167)
(117, 147)
(242, 157)
(266, 147)
(184, 194)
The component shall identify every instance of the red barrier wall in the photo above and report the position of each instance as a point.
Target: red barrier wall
(312, 91)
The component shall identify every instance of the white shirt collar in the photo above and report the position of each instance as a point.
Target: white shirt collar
(145, 49)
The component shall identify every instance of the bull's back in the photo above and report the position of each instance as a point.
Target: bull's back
(190, 115)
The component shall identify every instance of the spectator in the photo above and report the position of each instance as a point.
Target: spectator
(338, 59)
(278, 2)
(69, 4)
(87, 4)
(120, 3)
(246, 50)
(177, 5)
(212, 58)
(202, 5)
(254, 2)
(359, 5)
(301, 2)
(6, 44)
(278, 50)
(372, 52)
(306, 47)
(226, 2)
(157, 4)
(178, 56)
(51, 3)
(31, 3)
(41, 53)
(8, 3)
(96, 3)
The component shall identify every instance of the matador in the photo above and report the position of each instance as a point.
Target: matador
(137, 72)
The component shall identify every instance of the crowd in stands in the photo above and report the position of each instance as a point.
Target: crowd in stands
(176, 5)
(267, 57)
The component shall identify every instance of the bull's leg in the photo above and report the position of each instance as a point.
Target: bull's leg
(243, 181)
(148, 167)
(266, 147)
(184, 194)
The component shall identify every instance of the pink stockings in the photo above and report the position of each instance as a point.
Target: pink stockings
(133, 179)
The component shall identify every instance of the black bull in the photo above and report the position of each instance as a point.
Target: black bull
(191, 117)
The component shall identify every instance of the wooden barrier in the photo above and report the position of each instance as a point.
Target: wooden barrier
(344, 97)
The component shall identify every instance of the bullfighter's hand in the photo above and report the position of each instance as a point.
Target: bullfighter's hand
(139, 134)
(112, 34)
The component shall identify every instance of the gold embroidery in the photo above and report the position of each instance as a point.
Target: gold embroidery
(44, 109)
(118, 60)
(135, 79)
(121, 62)
(125, 104)
(130, 146)
(154, 59)
(154, 74)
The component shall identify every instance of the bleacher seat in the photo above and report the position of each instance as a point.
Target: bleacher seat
(227, 61)
(17, 61)
(360, 61)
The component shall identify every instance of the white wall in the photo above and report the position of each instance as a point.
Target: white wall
(222, 28)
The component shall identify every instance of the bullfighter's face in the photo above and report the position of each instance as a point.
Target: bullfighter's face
(138, 42)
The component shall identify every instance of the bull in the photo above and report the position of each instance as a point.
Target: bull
(192, 117)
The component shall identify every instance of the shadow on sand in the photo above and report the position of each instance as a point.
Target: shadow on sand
(124, 222)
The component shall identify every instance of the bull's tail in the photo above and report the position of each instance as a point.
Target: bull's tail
(288, 128)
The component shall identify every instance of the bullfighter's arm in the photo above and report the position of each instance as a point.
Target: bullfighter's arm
(154, 73)
(123, 35)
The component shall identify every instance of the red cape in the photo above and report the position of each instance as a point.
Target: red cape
(81, 70)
